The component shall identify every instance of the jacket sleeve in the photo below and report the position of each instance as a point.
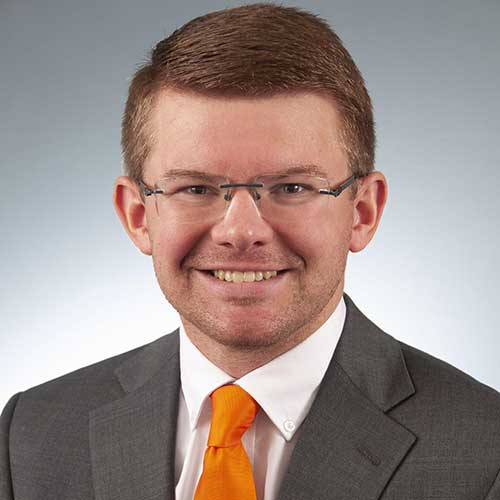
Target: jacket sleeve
(6, 492)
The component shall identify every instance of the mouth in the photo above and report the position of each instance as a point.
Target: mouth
(245, 293)
(243, 277)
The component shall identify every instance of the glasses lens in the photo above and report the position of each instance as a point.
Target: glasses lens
(293, 197)
(191, 199)
(281, 198)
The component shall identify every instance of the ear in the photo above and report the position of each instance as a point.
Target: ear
(368, 207)
(132, 212)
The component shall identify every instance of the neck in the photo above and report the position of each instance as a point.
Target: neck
(237, 362)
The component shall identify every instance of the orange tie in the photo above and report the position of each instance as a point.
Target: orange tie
(227, 473)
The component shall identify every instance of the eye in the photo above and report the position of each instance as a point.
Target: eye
(292, 188)
(196, 189)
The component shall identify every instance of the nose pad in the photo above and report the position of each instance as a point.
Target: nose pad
(255, 194)
(252, 187)
(231, 208)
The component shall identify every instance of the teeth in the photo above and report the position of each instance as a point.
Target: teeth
(249, 276)
(243, 277)
(238, 277)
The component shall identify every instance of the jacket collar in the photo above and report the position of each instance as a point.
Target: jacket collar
(373, 360)
(348, 447)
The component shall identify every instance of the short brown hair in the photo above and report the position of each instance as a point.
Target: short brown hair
(256, 50)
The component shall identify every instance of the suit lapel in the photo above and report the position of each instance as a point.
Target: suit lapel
(348, 448)
(132, 439)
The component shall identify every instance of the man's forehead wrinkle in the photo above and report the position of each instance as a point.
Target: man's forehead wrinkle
(309, 168)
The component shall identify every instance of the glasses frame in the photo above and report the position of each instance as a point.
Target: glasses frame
(148, 191)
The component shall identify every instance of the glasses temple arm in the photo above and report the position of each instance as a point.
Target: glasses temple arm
(336, 192)
(147, 191)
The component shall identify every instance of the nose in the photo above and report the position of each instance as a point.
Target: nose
(242, 225)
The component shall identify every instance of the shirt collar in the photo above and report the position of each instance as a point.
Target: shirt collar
(285, 387)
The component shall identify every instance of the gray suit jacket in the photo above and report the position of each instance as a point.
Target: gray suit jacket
(389, 422)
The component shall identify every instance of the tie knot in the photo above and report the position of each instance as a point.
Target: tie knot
(233, 412)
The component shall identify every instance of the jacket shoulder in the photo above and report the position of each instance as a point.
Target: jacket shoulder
(88, 386)
(432, 375)
(450, 409)
(48, 424)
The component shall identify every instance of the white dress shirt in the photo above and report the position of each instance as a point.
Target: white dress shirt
(285, 389)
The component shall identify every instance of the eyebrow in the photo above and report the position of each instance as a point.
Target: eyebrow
(182, 172)
(309, 169)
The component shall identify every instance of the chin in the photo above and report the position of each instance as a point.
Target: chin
(246, 342)
(238, 333)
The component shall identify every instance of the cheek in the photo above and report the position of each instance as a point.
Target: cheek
(315, 240)
(172, 243)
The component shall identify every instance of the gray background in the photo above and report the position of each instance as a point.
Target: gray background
(74, 288)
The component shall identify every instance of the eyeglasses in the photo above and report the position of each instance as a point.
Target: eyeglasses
(278, 197)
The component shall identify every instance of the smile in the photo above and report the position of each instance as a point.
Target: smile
(243, 276)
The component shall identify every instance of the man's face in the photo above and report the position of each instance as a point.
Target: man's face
(241, 138)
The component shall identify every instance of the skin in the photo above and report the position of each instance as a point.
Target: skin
(241, 138)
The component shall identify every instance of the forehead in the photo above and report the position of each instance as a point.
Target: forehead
(245, 136)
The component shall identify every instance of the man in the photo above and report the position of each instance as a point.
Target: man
(249, 151)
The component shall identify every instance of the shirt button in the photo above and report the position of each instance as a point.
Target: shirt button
(289, 426)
